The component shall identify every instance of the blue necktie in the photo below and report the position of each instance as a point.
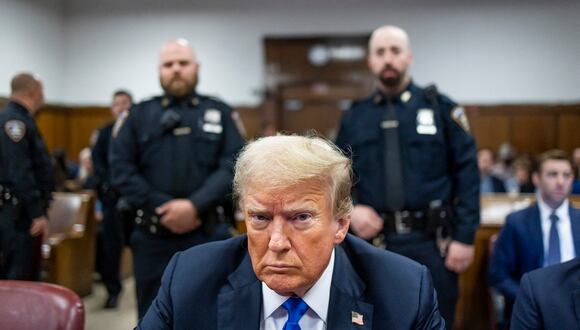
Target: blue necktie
(296, 307)
(554, 242)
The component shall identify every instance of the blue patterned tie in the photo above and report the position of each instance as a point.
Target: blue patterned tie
(296, 307)
(554, 242)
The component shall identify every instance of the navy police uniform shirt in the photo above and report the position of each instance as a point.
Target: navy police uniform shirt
(176, 148)
(25, 166)
(438, 154)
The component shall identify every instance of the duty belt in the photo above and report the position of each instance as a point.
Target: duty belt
(149, 222)
(404, 222)
(7, 197)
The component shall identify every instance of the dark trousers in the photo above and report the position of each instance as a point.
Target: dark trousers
(110, 248)
(422, 249)
(151, 254)
(19, 257)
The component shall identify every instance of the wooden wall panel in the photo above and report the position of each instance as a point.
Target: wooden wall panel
(490, 131)
(53, 123)
(84, 121)
(568, 132)
(533, 134)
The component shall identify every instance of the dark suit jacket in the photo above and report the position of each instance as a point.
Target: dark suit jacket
(549, 298)
(213, 286)
(498, 184)
(520, 249)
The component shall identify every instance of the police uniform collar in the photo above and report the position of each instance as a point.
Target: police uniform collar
(190, 100)
(379, 97)
(19, 107)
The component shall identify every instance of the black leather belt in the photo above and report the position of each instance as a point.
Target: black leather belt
(7, 196)
(404, 222)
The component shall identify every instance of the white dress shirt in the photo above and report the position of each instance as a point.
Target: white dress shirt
(274, 316)
(567, 251)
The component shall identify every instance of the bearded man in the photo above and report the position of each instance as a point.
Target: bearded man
(172, 162)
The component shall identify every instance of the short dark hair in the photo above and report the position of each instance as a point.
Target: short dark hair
(123, 92)
(553, 154)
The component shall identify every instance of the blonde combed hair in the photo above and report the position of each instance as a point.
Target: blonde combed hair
(281, 161)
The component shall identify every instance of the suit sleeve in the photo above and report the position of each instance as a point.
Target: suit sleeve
(428, 315)
(219, 182)
(160, 313)
(125, 173)
(504, 261)
(463, 159)
(100, 157)
(525, 314)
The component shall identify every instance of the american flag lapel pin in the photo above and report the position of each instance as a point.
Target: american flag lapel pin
(357, 318)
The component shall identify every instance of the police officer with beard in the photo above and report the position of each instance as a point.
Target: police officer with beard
(26, 180)
(417, 190)
(172, 161)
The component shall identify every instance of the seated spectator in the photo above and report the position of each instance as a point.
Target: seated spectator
(523, 174)
(576, 164)
(548, 298)
(503, 166)
(489, 183)
(543, 234)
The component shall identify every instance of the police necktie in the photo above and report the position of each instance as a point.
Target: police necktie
(394, 189)
(553, 242)
(296, 307)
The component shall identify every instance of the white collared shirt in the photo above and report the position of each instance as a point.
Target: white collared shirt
(567, 251)
(274, 316)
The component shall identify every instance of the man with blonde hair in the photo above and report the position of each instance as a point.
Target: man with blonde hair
(297, 267)
(26, 179)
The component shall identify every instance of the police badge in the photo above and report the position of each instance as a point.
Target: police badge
(426, 122)
(15, 129)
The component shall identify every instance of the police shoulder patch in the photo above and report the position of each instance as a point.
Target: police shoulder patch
(15, 129)
(459, 116)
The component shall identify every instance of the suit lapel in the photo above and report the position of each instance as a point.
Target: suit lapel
(345, 308)
(240, 303)
(536, 239)
(575, 223)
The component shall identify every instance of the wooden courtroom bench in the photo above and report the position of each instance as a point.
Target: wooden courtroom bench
(474, 307)
(69, 251)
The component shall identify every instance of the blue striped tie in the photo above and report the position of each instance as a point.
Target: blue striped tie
(296, 307)
(554, 242)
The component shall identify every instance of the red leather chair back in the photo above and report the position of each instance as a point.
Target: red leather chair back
(37, 305)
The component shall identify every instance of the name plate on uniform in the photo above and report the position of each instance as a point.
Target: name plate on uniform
(389, 124)
(212, 128)
(182, 131)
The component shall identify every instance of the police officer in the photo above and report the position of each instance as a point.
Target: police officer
(110, 242)
(26, 180)
(417, 190)
(172, 160)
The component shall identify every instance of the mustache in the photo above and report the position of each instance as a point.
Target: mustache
(389, 67)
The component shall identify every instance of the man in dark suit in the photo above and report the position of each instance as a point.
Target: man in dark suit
(488, 183)
(110, 235)
(297, 268)
(543, 234)
(549, 298)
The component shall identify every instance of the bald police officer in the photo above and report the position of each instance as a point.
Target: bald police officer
(172, 160)
(26, 180)
(417, 190)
